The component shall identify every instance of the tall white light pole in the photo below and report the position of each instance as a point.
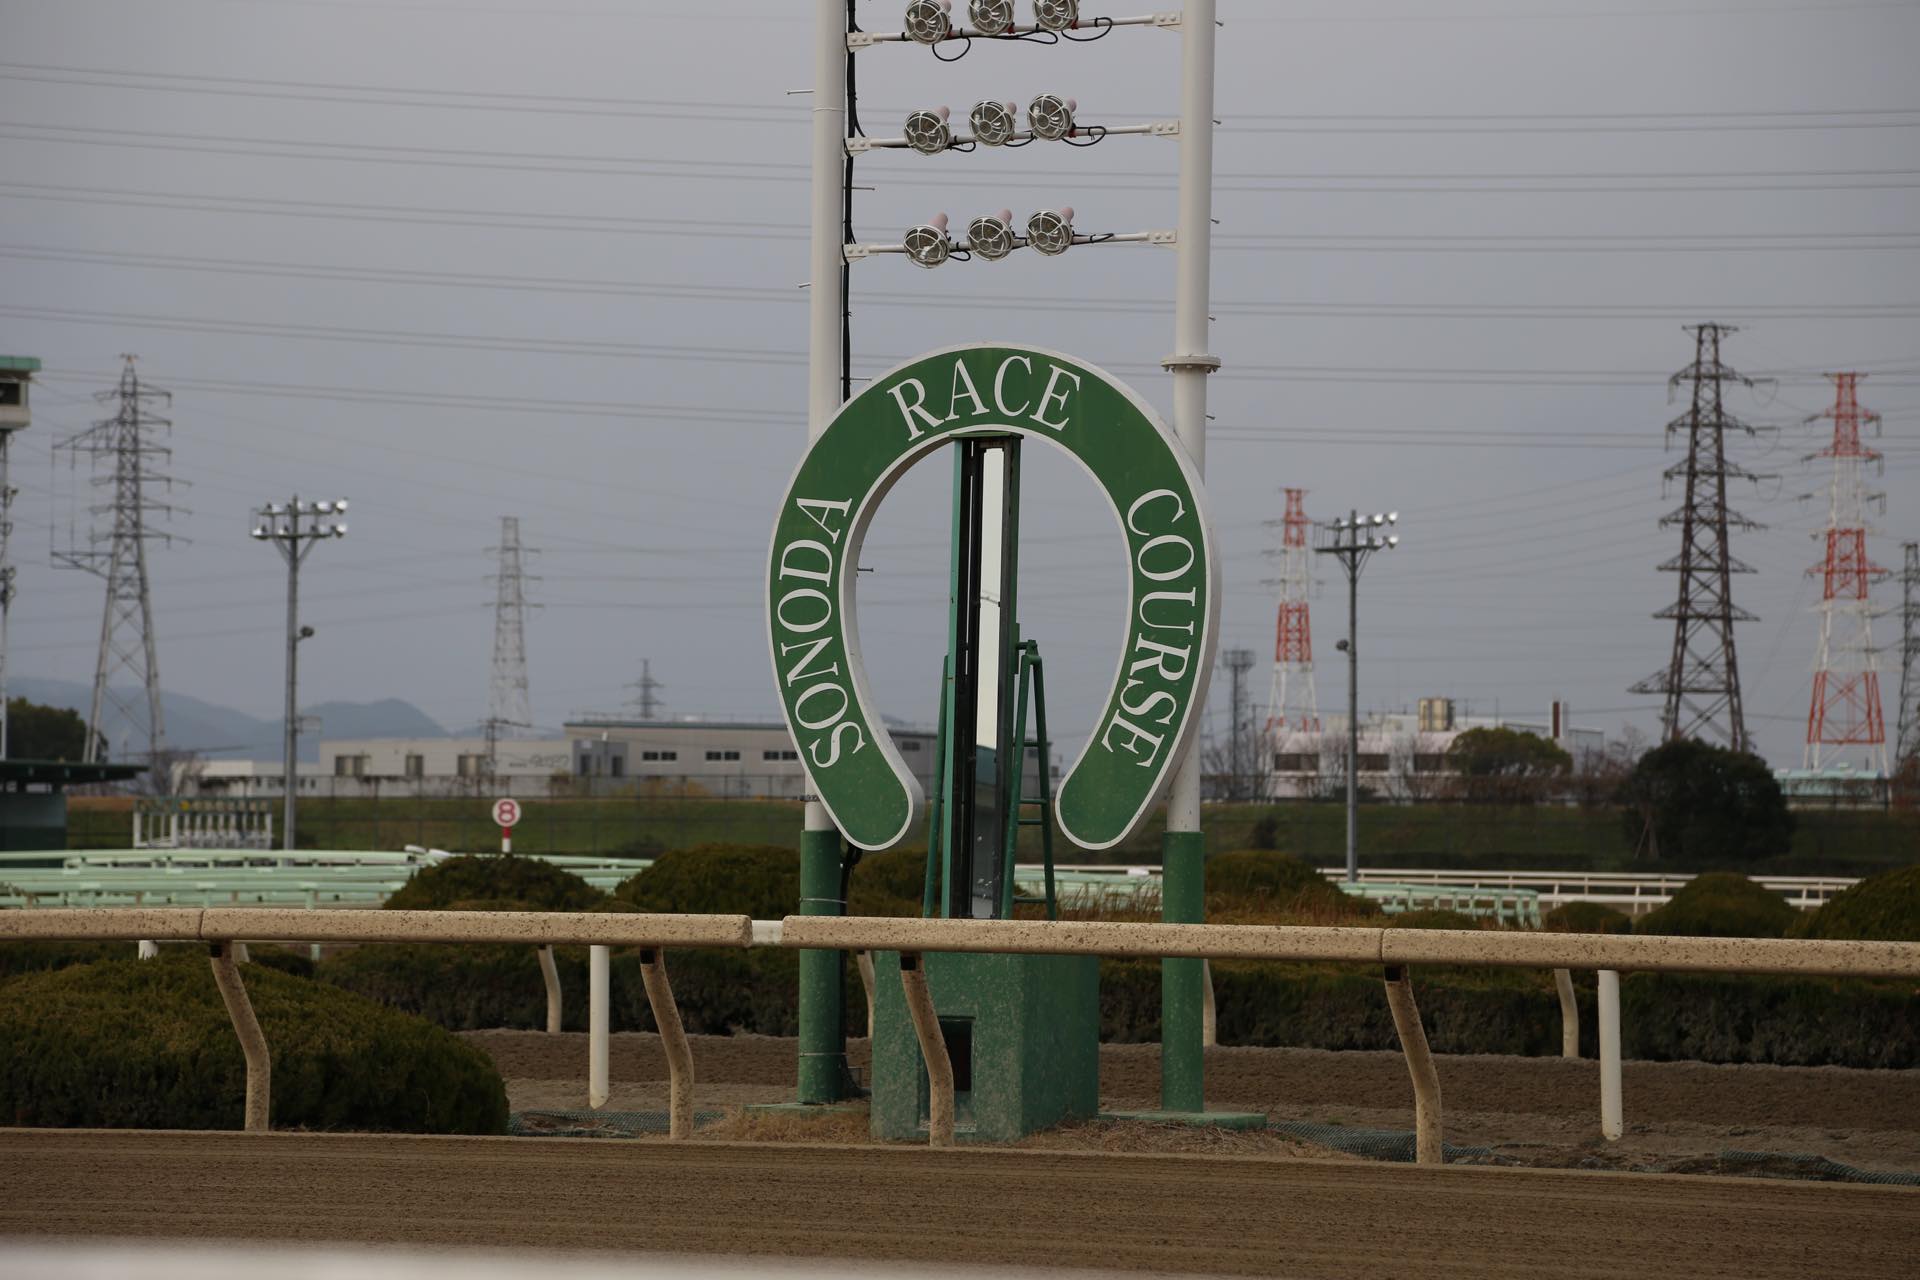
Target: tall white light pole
(293, 528)
(1352, 541)
(1183, 899)
(822, 1037)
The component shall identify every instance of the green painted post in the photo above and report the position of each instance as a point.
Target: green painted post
(823, 1042)
(1182, 994)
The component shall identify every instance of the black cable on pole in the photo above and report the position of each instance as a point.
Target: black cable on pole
(846, 223)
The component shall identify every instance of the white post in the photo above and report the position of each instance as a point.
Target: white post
(1610, 1123)
(506, 839)
(149, 949)
(597, 1026)
(1190, 362)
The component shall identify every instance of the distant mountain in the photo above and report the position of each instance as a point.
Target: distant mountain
(221, 733)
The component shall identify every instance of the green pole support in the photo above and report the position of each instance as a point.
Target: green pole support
(1182, 993)
(823, 1024)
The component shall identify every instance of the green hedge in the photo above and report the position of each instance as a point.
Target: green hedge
(147, 1044)
(1587, 917)
(476, 988)
(1665, 1017)
(1884, 908)
(39, 956)
(1720, 904)
(1803, 1022)
(762, 881)
(482, 876)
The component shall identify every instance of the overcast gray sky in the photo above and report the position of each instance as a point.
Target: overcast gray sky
(458, 259)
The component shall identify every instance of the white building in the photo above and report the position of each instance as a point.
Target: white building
(1403, 755)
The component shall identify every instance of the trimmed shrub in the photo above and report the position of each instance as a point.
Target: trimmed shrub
(1266, 883)
(1668, 1017)
(1433, 918)
(1781, 1021)
(888, 884)
(478, 988)
(480, 877)
(1720, 904)
(1882, 908)
(759, 880)
(147, 1044)
(39, 956)
(1586, 917)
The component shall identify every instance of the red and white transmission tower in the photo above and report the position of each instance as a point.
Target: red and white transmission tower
(1293, 710)
(1846, 678)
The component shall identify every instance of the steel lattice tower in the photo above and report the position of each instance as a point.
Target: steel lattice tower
(1293, 708)
(1907, 735)
(1702, 679)
(1845, 711)
(123, 452)
(509, 705)
(646, 697)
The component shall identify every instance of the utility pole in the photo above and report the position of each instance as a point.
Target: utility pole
(16, 373)
(646, 697)
(1907, 736)
(509, 704)
(293, 527)
(1702, 678)
(123, 453)
(1845, 711)
(1293, 706)
(1352, 540)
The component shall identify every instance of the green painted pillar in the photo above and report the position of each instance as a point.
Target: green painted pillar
(823, 1037)
(1183, 900)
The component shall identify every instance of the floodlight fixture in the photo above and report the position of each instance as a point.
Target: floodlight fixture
(1050, 116)
(1056, 15)
(1393, 540)
(994, 123)
(323, 508)
(928, 131)
(340, 504)
(1050, 231)
(991, 17)
(259, 531)
(991, 236)
(929, 21)
(928, 244)
(340, 531)
(1393, 517)
(1379, 518)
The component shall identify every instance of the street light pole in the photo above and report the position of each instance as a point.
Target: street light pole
(293, 527)
(1351, 540)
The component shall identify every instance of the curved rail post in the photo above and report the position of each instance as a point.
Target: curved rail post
(863, 961)
(552, 976)
(1569, 1014)
(933, 1048)
(253, 1042)
(1428, 1145)
(1611, 1123)
(598, 958)
(673, 1039)
(1209, 1017)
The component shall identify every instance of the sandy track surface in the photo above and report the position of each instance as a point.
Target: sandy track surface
(1265, 1079)
(1170, 1213)
(1528, 1110)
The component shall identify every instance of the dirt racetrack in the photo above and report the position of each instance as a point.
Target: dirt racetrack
(1536, 1111)
(1295, 1219)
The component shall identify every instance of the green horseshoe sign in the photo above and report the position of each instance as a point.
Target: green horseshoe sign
(1157, 500)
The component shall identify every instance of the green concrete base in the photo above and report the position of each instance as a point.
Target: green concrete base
(1211, 1119)
(1023, 1032)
